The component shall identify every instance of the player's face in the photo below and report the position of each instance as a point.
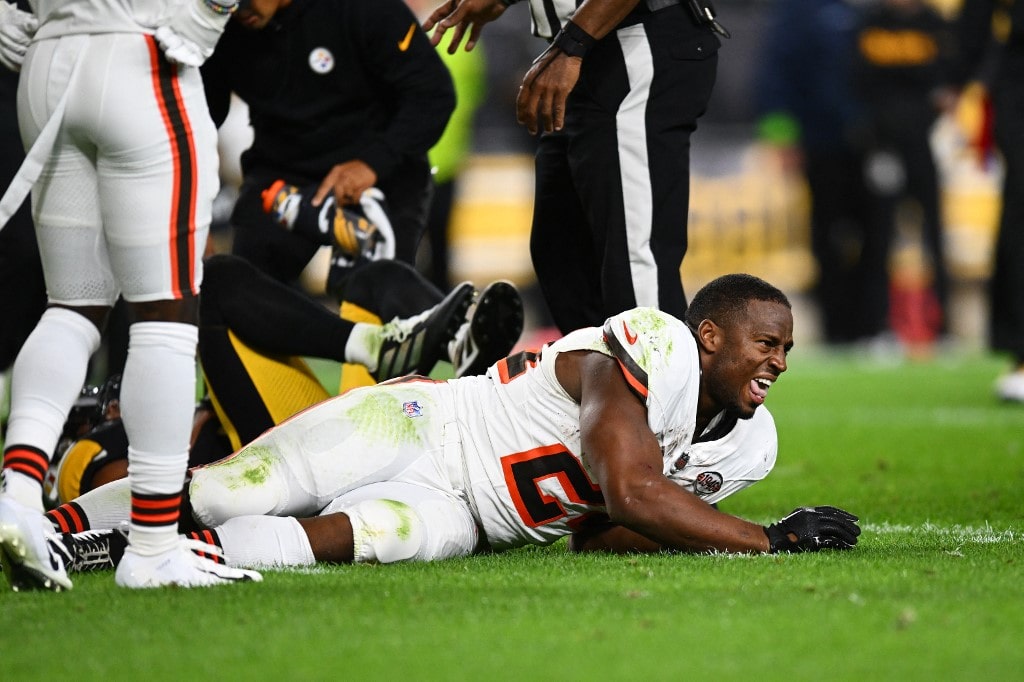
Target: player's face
(750, 356)
(256, 14)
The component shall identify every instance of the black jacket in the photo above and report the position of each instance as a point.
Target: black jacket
(329, 81)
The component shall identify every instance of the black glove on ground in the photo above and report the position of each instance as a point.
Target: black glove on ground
(815, 528)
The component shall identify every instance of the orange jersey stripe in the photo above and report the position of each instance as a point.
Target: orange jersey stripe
(156, 505)
(76, 522)
(638, 386)
(155, 519)
(27, 456)
(56, 517)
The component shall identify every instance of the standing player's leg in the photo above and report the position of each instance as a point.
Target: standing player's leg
(157, 176)
(1006, 321)
(630, 162)
(562, 246)
(51, 366)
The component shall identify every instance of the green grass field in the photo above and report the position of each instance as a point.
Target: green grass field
(934, 591)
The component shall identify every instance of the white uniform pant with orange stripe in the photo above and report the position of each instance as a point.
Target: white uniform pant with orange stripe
(123, 202)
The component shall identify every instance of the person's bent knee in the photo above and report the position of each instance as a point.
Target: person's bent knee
(216, 498)
(384, 531)
(96, 314)
(184, 310)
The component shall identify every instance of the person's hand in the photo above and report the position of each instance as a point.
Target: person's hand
(190, 34)
(460, 15)
(545, 89)
(16, 31)
(809, 529)
(347, 181)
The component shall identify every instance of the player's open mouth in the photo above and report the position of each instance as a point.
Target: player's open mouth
(759, 389)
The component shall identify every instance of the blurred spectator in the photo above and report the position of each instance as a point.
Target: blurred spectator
(1006, 85)
(903, 73)
(810, 113)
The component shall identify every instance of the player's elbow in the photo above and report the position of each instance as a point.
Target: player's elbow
(628, 504)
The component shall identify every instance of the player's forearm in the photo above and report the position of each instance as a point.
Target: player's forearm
(679, 520)
(609, 537)
(599, 17)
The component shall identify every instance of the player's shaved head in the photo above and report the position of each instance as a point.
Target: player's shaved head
(722, 299)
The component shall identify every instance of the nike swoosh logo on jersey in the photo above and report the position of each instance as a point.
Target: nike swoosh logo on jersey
(630, 336)
(405, 42)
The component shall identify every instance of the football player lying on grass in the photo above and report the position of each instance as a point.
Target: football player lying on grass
(623, 436)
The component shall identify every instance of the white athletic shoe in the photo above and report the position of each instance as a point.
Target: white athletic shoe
(29, 562)
(180, 566)
(1010, 387)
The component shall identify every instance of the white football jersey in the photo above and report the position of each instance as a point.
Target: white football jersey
(503, 450)
(526, 472)
(69, 17)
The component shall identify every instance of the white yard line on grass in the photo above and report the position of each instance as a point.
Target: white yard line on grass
(981, 535)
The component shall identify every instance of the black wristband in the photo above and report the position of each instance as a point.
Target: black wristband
(573, 40)
(508, 3)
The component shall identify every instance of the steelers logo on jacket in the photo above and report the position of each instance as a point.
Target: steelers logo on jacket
(321, 60)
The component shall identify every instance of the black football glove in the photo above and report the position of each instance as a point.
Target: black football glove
(815, 528)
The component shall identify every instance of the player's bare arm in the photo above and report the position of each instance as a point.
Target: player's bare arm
(347, 181)
(624, 456)
(610, 537)
(460, 15)
(553, 75)
(330, 537)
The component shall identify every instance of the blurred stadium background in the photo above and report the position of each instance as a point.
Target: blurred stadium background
(746, 214)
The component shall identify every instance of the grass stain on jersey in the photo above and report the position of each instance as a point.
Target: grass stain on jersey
(254, 462)
(402, 511)
(651, 323)
(381, 415)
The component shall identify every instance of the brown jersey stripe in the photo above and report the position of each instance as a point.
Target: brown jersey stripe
(183, 199)
(30, 461)
(635, 375)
